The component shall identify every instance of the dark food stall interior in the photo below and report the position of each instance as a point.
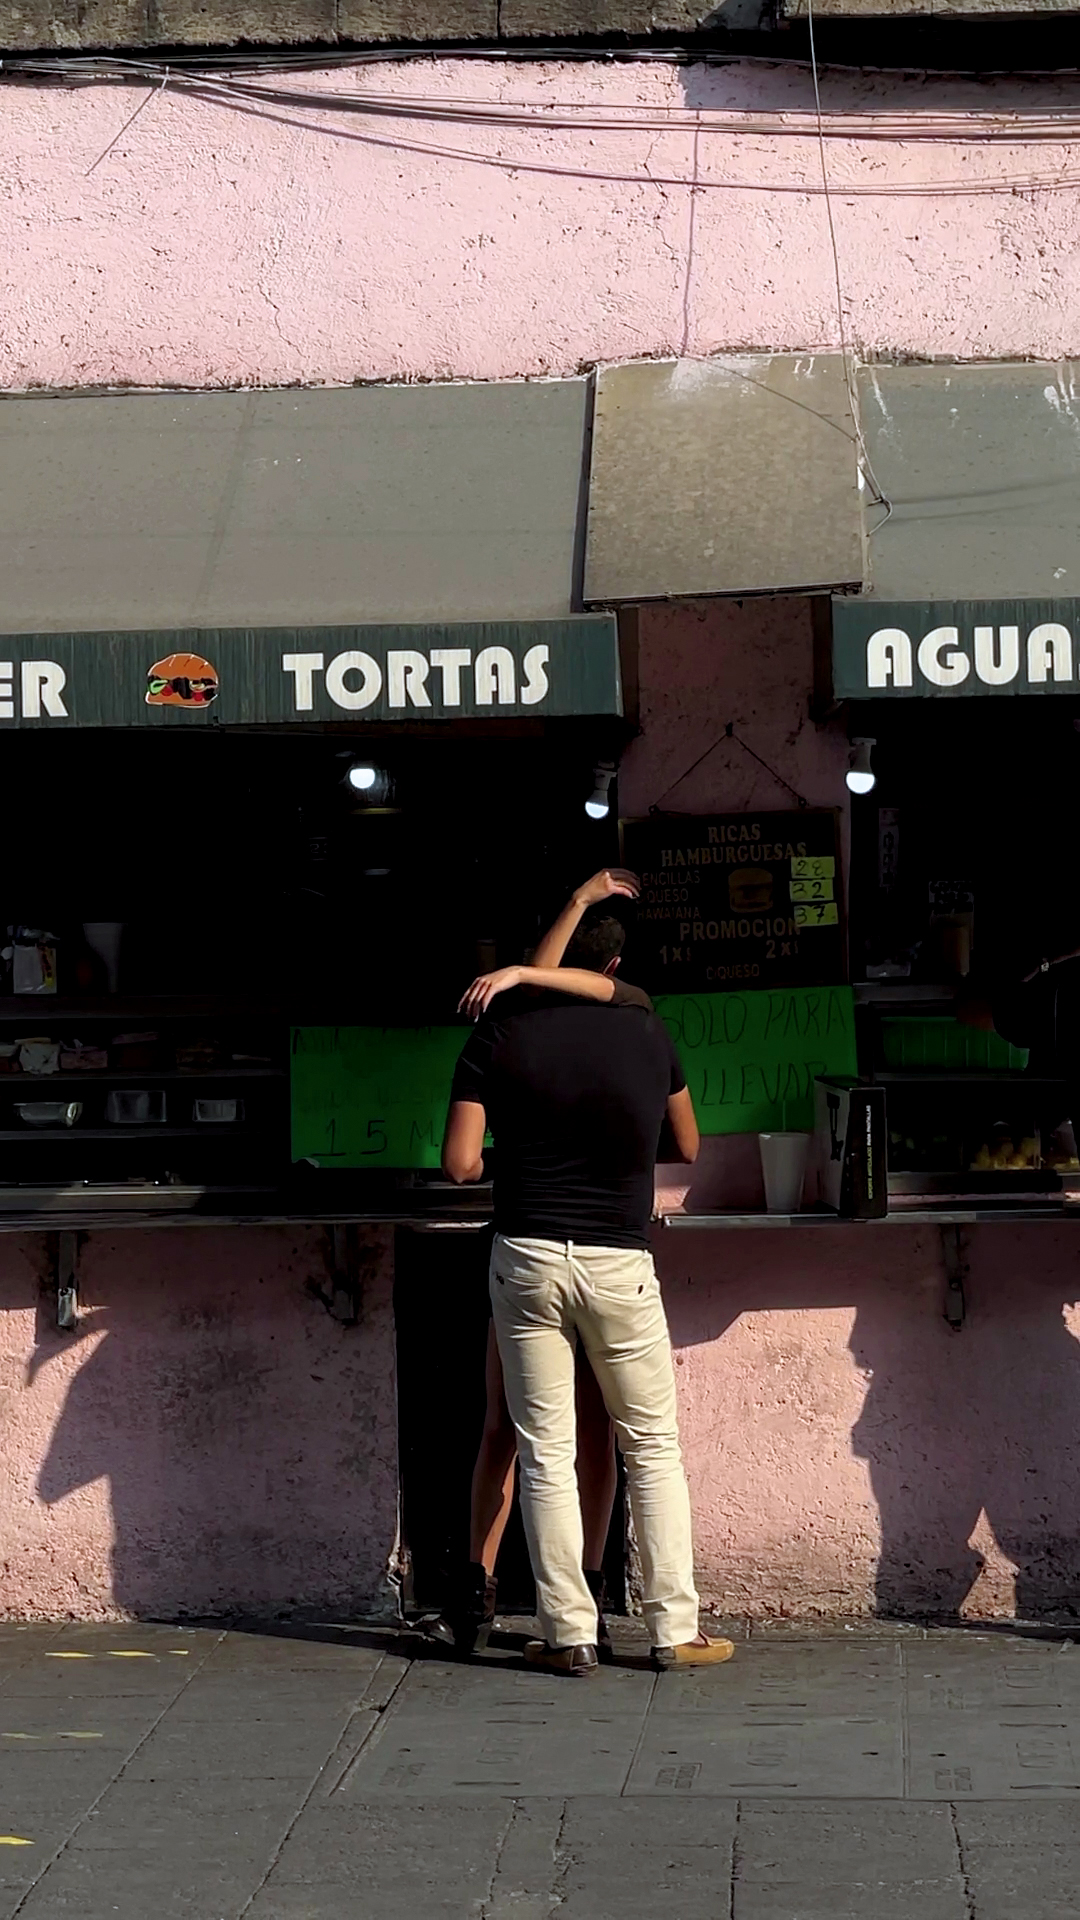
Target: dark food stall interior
(253, 889)
(962, 880)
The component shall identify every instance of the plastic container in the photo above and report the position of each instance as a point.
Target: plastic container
(942, 1043)
(136, 1107)
(49, 1113)
(218, 1113)
(783, 1166)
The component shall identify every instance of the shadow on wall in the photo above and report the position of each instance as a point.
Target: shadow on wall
(209, 1440)
(953, 1426)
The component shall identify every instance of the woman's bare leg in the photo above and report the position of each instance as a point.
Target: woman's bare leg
(493, 1474)
(596, 1471)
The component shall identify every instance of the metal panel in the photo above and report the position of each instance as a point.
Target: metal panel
(982, 467)
(275, 676)
(722, 476)
(264, 509)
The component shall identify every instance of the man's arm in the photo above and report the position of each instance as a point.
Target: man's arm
(463, 1142)
(610, 884)
(681, 1127)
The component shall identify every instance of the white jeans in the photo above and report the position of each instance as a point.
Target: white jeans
(545, 1294)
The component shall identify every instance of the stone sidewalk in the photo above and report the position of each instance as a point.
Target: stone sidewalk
(156, 1773)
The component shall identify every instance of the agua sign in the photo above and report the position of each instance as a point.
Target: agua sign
(936, 648)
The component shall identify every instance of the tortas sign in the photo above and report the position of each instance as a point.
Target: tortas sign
(280, 675)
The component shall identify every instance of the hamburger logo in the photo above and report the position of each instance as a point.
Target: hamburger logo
(750, 892)
(181, 680)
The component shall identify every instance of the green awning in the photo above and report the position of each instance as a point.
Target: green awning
(944, 649)
(274, 676)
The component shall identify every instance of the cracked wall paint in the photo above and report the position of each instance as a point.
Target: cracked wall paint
(214, 247)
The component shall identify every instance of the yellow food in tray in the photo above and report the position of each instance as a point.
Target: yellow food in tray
(1006, 1157)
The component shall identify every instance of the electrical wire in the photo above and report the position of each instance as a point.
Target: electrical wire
(555, 53)
(281, 105)
(866, 463)
(976, 126)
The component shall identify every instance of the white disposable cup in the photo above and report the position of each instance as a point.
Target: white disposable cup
(783, 1164)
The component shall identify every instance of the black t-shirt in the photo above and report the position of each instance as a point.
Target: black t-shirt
(575, 1095)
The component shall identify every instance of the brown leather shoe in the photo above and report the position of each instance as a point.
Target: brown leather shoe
(701, 1652)
(576, 1661)
(466, 1623)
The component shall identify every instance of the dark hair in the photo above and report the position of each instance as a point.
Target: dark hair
(596, 943)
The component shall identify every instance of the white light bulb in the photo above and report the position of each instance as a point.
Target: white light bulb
(362, 778)
(860, 775)
(597, 808)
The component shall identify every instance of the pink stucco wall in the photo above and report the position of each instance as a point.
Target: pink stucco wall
(641, 210)
(847, 1451)
(209, 1441)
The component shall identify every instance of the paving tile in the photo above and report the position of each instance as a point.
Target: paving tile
(86, 1886)
(78, 1773)
(1012, 1823)
(129, 1801)
(29, 1725)
(272, 1696)
(641, 1859)
(460, 1730)
(1023, 1872)
(992, 1721)
(284, 1749)
(871, 1899)
(821, 1632)
(142, 1818)
(409, 1857)
(837, 1678)
(302, 1650)
(730, 1752)
(828, 1840)
(280, 1902)
(97, 1676)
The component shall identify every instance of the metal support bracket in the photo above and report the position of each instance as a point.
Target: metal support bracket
(954, 1247)
(344, 1298)
(67, 1282)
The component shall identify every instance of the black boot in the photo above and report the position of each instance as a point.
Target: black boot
(594, 1580)
(466, 1623)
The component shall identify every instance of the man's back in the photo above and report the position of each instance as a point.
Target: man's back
(575, 1096)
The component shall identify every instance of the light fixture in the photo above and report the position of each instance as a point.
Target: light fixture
(860, 775)
(598, 804)
(370, 785)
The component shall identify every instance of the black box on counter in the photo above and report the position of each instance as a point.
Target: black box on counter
(850, 1140)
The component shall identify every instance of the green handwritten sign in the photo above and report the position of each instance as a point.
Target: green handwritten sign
(751, 1059)
(377, 1096)
(371, 1096)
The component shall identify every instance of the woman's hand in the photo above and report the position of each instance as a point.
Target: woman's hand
(611, 883)
(478, 998)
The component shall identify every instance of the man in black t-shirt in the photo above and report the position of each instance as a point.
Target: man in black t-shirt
(575, 1095)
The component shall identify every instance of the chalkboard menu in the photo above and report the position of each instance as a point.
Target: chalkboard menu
(736, 901)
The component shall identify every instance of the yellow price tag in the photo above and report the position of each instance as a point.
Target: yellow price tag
(811, 889)
(826, 915)
(813, 866)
